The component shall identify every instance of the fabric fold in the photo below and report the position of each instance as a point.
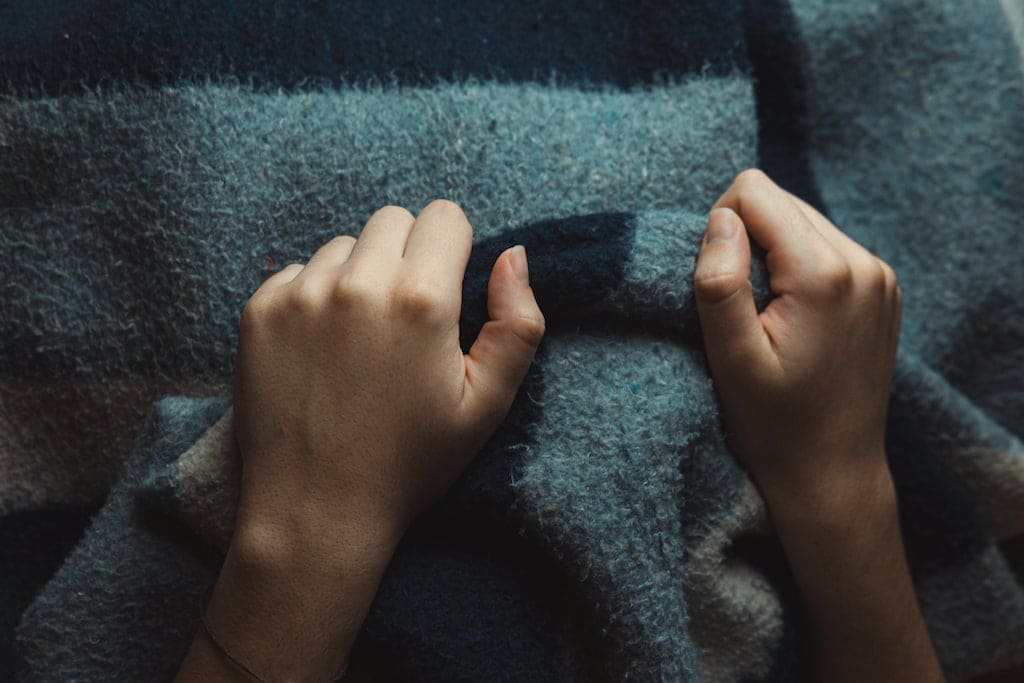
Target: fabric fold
(612, 472)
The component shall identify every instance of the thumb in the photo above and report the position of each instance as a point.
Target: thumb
(734, 338)
(501, 355)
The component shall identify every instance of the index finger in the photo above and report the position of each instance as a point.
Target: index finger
(777, 223)
(438, 247)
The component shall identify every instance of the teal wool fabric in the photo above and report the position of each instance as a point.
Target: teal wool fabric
(158, 159)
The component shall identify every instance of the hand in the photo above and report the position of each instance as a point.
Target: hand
(354, 410)
(354, 404)
(803, 385)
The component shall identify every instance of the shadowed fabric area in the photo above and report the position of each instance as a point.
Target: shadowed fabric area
(156, 158)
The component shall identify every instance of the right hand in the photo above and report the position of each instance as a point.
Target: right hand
(803, 385)
(355, 409)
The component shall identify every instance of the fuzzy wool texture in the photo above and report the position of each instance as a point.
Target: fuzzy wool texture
(251, 174)
(605, 532)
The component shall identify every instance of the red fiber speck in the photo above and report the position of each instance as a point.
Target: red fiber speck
(270, 264)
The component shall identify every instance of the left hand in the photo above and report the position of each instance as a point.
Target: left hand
(355, 409)
(354, 404)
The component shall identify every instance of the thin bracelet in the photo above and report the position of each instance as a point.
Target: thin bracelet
(224, 651)
(220, 646)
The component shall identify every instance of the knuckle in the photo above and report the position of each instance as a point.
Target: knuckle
(450, 213)
(751, 180)
(892, 280)
(751, 187)
(341, 240)
(351, 291)
(871, 272)
(837, 276)
(393, 213)
(255, 312)
(420, 300)
(715, 286)
(444, 206)
(305, 298)
(530, 328)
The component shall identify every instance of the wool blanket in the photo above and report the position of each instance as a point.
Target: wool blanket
(158, 159)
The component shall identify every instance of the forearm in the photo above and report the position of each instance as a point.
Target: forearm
(847, 555)
(288, 618)
(355, 410)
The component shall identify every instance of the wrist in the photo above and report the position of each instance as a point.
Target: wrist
(291, 597)
(834, 504)
(317, 546)
(845, 534)
(845, 549)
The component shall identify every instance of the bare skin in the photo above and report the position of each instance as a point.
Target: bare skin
(347, 433)
(804, 388)
(355, 409)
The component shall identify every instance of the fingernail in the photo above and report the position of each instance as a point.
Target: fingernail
(721, 225)
(519, 264)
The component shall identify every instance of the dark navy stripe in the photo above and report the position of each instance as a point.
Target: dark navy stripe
(62, 45)
(940, 523)
(1013, 551)
(575, 264)
(33, 544)
(774, 49)
(793, 650)
(470, 595)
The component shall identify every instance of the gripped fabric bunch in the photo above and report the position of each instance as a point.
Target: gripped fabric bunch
(156, 158)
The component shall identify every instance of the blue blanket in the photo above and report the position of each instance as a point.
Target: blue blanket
(158, 159)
